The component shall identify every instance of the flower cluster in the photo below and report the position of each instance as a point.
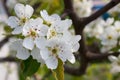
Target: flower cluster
(46, 38)
(83, 8)
(115, 64)
(107, 31)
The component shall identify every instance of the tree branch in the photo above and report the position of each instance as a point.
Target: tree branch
(8, 59)
(100, 56)
(98, 13)
(4, 41)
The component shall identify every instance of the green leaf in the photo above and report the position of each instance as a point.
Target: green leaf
(30, 66)
(59, 72)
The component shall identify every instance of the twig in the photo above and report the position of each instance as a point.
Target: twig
(103, 10)
(8, 59)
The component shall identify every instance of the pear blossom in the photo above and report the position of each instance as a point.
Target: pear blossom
(117, 27)
(115, 66)
(54, 49)
(59, 28)
(109, 37)
(33, 31)
(83, 8)
(49, 19)
(109, 22)
(23, 15)
(95, 28)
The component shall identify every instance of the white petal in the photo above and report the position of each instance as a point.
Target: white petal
(62, 56)
(28, 43)
(44, 53)
(26, 28)
(71, 58)
(75, 47)
(17, 30)
(55, 17)
(36, 55)
(43, 30)
(74, 42)
(44, 15)
(40, 42)
(20, 10)
(51, 62)
(37, 21)
(28, 11)
(22, 53)
(13, 22)
(112, 58)
(16, 45)
(67, 23)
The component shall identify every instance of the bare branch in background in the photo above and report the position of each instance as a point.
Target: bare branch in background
(8, 59)
(79, 24)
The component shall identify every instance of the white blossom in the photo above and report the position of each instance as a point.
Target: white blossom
(95, 28)
(59, 28)
(83, 8)
(115, 66)
(117, 27)
(109, 37)
(55, 49)
(49, 19)
(33, 31)
(23, 14)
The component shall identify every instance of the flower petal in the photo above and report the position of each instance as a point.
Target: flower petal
(36, 55)
(112, 58)
(20, 10)
(17, 30)
(51, 62)
(43, 30)
(40, 42)
(22, 53)
(16, 45)
(28, 43)
(44, 53)
(71, 58)
(44, 15)
(55, 17)
(13, 22)
(28, 11)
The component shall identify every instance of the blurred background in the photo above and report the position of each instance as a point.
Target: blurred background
(10, 70)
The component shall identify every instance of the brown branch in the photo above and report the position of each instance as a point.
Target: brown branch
(79, 24)
(8, 59)
(100, 56)
(4, 41)
(79, 31)
(98, 13)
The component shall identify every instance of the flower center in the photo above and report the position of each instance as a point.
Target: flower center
(22, 21)
(32, 33)
(52, 34)
(109, 37)
(54, 51)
